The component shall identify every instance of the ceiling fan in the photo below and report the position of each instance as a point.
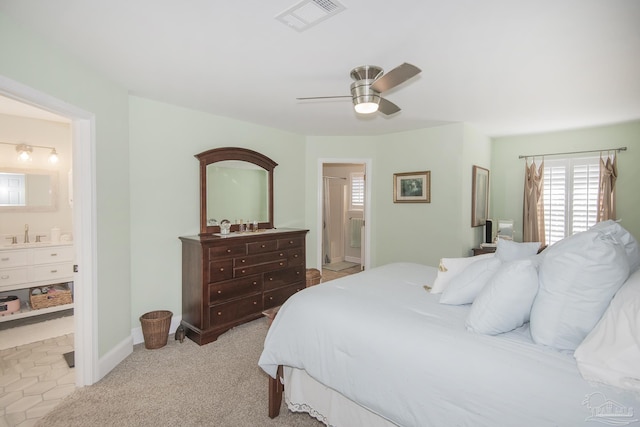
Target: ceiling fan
(369, 82)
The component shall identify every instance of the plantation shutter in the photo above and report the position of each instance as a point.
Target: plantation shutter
(570, 196)
(357, 191)
(555, 207)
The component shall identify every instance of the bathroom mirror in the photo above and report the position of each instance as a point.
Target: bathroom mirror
(235, 184)
(24, 190)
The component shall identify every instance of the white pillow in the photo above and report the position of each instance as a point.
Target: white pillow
(578, 277)
(450, 267)
(464, 287)
(625, 238)
(508, 250)
(611, 352)
(505, 302)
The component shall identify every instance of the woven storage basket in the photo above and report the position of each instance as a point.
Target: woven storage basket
(155, 328)
(313, 277)
(56, 295)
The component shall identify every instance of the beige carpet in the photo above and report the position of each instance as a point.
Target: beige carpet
(219, 384)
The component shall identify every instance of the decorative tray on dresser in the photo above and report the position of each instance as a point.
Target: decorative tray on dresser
(229, 280)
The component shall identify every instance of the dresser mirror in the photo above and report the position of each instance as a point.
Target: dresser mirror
(235, 184)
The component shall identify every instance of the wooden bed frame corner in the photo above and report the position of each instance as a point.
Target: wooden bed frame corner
(276, 388)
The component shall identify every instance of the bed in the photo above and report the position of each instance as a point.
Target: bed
(379, 348)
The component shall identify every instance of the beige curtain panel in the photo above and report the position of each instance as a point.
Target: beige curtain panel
(533, 209)
(606, 198)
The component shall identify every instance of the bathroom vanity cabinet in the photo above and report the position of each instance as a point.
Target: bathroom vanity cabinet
(229, 280)
(27, 266)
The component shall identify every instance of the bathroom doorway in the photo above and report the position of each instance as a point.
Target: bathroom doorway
(79, 198)
(343, 243)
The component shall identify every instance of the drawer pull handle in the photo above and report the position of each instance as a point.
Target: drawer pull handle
(263, 246)
(219, 292)
(54, 271)
(242, 271)
(255, 283)
(6, 259)
(244, 260)
(228, 251)
(281, 263)
(298, 273)
(291, 242)
(255, 303)
(54, 254)
(219, 313)
(270, 279)
(296, 256)
(270, 298)
(221, 268)
(281, 254)
(5, 277)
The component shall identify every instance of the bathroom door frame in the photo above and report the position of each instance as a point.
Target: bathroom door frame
(367, 205)
(84, 220)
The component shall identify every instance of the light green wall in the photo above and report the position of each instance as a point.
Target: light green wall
(415, 232)
(165, 200)
(34, 62)
(507, 178)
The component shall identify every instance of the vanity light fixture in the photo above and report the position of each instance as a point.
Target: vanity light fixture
(24, 151)
(53, 156)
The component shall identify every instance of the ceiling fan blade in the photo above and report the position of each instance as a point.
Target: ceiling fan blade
(324, 97)
(387, 107)
(394, 77)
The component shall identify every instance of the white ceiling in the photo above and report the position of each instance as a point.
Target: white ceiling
(503, 66)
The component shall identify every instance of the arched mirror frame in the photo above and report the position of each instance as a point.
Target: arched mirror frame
(232, 153)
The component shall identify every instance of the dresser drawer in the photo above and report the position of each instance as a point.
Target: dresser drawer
(249, 260)
(54, 254)
(277, 279)
(220, 270)
(235, 288)
(279, 296)
(296, 257)
(52, 272)
(263, 246)
(232, 311)
(260, 268)
(13, 258)
(13, 276)
(227, 251)
(293, 242)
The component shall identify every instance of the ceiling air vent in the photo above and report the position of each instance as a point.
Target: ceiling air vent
(308, 13)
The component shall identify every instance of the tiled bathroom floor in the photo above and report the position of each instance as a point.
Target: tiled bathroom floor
(34, 378)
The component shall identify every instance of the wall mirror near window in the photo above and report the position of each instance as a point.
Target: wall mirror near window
(235, 184)
(28, 190)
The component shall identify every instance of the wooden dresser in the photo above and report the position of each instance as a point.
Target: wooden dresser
(227, 281)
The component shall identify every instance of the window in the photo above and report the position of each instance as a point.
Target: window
(356, 185)
(570, 196)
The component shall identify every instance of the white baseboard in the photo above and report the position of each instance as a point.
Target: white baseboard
(138, 338)
(352, 259)
(114, 357)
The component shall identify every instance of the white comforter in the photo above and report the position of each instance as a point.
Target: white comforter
(381, 340)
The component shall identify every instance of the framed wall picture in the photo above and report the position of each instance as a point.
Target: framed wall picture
(479, 196)
(412, 187)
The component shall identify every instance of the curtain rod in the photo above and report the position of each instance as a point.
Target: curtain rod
(619, 149)
(333, 177)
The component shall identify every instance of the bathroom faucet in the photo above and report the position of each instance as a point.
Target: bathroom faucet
(26, 233)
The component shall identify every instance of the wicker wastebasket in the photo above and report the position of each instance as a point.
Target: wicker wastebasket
(155, 328)
(313, 277)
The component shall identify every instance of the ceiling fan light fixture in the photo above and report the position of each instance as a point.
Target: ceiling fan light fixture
(366, 107)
